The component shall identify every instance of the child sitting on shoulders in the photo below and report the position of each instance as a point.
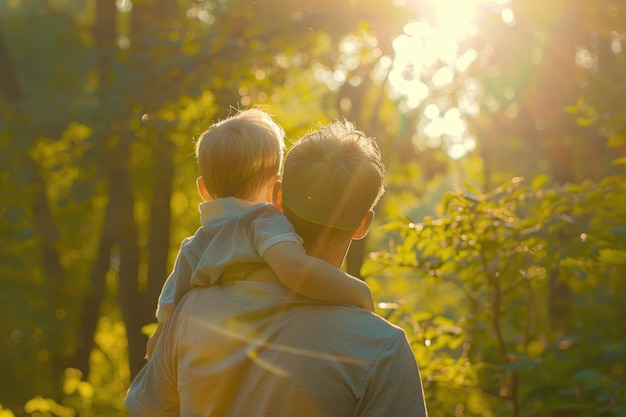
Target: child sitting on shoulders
(240, 160)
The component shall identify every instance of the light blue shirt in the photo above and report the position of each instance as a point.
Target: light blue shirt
(233, 232)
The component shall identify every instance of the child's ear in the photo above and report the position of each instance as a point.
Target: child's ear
(270, 188)
(277, 195)
(202, 190)
(366, 221)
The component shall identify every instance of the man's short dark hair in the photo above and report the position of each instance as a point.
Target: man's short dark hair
(332, 177)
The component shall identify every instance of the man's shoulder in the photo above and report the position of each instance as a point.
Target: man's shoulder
(346, 330)
(280, 305)
(354, 322)
(374, 320)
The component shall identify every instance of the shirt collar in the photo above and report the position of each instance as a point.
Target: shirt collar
(223, 208)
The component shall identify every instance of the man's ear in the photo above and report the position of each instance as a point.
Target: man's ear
(277, 195)
(366, 221)
(202, 190)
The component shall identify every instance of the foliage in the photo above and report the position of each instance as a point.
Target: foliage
(502, 343)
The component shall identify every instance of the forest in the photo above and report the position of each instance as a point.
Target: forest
(499, 245)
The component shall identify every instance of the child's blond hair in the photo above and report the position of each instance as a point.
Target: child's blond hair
(239, 155)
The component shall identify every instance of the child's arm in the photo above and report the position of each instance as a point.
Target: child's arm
(316, 278)
(175, 287)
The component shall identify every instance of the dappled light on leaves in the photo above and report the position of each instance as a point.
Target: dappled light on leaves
(482, 250)
(47, 406)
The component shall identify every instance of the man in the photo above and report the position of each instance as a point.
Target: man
(251, 347)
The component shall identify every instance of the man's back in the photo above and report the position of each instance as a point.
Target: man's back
(252, 348)
(257, 349)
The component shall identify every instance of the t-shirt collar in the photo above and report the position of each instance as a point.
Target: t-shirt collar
(223, 208)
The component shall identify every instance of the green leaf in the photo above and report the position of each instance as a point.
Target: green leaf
(612, 256)
(616, 140)
(149, 329)
(574, 188)
(4, 412)
(421, 316)
(473, 190)
(583, 121)
(539, 181)
(619, 161)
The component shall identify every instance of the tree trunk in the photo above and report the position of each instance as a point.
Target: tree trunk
(104, 35)
(92, 303)
(9, 87)
(121, 193)
(51, 262)
(42, 216)
(160, 218)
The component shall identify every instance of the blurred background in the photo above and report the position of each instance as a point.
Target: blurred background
(500, 245)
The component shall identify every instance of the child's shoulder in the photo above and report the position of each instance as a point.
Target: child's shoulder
(199, 238)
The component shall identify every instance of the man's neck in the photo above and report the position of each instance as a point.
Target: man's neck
(334, 255)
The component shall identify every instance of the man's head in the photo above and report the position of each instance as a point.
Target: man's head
(332, 179)
(239, 155)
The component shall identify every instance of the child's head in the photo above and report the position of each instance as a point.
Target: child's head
(238, 156)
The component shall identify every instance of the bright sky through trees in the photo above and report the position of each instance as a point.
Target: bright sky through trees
(427, 58)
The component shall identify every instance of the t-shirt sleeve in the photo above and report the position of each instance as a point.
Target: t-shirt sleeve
(165, 305)
(394, 386)
(269, 227)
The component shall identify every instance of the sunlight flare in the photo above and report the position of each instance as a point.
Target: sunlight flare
(427, 59)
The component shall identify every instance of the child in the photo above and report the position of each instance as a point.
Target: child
(240, 161)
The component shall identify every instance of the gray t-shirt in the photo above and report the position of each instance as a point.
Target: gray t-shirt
(256, 349)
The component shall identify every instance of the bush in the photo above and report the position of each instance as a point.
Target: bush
(519, 307)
